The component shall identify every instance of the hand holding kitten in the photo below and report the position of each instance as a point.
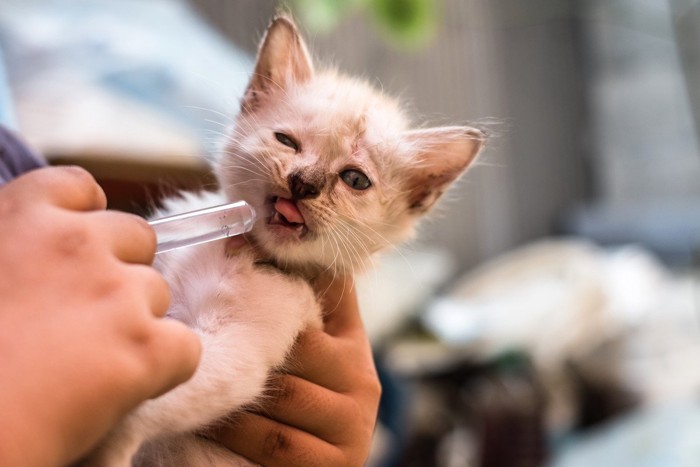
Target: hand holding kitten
(80, 329)
(322, 411)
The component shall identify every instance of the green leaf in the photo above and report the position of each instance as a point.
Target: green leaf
(408, 22)
(323, 15)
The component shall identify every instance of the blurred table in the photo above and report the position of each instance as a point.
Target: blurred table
(136, 183)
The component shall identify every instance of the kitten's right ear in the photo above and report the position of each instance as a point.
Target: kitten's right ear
(283, 59)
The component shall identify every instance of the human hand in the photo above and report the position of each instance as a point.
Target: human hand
(81, 337)
(323, 411)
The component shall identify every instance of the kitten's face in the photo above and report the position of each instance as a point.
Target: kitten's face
(332, 161)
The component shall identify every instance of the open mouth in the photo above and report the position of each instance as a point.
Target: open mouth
(286, 215)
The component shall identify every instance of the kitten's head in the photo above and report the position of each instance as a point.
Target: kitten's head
(333, 160)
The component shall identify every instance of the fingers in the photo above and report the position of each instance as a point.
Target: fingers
(341, 311)
(170, 350)
(67, 187)
(131, 239)
(176, 355)
(72, 188)
(324, 410)
(343, 345)
(317, 352)
(313, 354)
(290, 396)
(153, 285)
(271, 444)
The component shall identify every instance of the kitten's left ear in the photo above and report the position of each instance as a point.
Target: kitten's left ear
(440, 155)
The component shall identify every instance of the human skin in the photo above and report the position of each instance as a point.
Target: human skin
(323, 410)
(81, 335)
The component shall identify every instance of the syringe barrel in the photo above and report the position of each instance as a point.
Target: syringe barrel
(203, 225)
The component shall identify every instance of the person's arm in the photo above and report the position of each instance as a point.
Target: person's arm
(81, 336)
(324, 411)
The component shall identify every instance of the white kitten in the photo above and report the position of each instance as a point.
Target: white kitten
(345, 177)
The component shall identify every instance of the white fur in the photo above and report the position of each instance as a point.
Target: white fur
(248, 315)
(247, 318)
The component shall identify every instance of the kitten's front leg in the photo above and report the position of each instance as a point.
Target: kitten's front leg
(248, 318)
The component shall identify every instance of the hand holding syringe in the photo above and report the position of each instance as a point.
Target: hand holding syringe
(204, 225)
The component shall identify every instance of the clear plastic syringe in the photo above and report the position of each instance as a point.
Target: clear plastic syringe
(203, 225)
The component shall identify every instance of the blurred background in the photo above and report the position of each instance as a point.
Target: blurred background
(548, 314)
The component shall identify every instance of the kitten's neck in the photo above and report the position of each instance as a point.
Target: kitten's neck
(309, 271)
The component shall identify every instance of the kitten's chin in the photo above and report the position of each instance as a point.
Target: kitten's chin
(285, 232)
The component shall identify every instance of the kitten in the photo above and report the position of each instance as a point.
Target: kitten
(345, 177)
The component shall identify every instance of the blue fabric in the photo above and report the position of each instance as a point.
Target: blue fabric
(15, 157)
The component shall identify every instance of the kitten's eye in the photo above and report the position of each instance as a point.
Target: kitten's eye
(287, 141)
(355, 179)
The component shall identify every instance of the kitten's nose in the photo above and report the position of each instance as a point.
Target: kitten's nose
(304, 187)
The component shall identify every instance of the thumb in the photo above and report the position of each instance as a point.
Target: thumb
(340, 307)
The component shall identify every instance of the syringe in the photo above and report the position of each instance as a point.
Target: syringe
(203, 225)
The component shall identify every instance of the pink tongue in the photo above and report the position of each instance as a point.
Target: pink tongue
(289, 210)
